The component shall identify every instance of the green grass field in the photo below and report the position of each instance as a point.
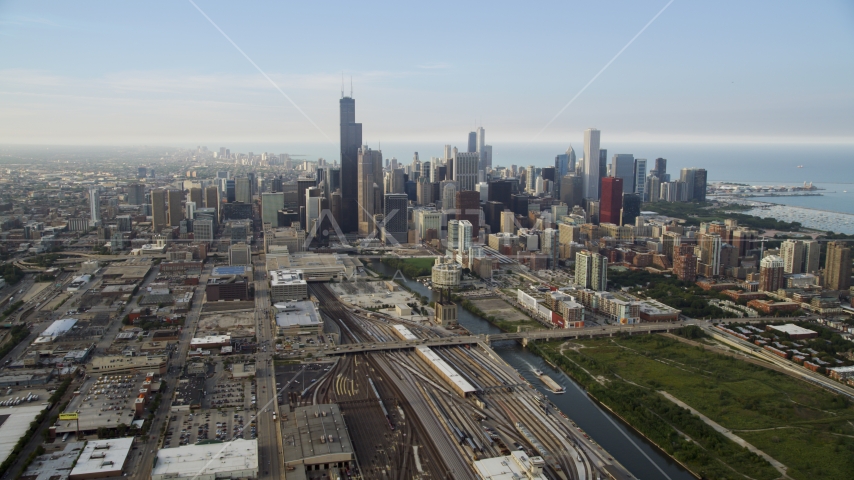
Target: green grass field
(817, 435)
(422, 262)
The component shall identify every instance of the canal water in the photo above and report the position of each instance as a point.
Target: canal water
(625, 445)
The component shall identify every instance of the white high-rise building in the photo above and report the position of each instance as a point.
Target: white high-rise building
(465, 170)
(95, 206)
(191, 210)
(483, 189)
(465, 234)
(591, 163)
(453, 233)
(449, 195)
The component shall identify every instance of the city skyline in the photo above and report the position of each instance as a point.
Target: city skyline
(705, 87)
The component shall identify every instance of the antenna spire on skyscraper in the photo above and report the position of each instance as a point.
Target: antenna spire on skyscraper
(351, 86)
(342, 84)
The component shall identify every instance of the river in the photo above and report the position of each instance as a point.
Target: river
(624, 444)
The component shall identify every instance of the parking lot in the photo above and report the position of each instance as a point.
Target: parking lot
(224, 392)
(286, 372)
(186, 428)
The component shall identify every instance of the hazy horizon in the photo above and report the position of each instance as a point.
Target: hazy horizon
(653, 71)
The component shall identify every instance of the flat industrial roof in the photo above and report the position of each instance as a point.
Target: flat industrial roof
(510, 467)
(792, 329)
(287, 277)
(404, 332)
(311, 440)
(446, 369)
(301, 313)
(14, 427)
(198, 460)
(102, 456)
(59, 327)
(229, 270)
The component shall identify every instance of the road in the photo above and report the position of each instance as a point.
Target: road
(270, 452)
(142, 461)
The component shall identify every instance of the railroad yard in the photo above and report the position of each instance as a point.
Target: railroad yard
(413, 413)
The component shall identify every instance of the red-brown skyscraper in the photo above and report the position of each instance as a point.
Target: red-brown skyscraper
(611, 200)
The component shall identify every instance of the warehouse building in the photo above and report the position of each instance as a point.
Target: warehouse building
(235, 459)
(315, 442)
(102, 458)
(793, 331)
(210, 341)
(298, 318)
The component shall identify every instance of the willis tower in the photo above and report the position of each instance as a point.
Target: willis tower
(351, 140)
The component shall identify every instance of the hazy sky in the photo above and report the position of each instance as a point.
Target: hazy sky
(102, 72)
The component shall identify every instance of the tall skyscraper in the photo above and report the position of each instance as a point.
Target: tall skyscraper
(631, 208)
(230, 191)
(196, 196)
(242, 190)
(94, 206)
(603, 164)
(612, 200)
(709, 249)
(176, 212)
(623, 166)
(591, 163)
(472, 146)
(572, 190)
(551, 246)
(468, 208)
(640, 177)
(271, 203)
(449, 195)
(370, 164)
(591, 270)
(158, 210)
(212, 197)
(395, 224)
(771, 273)
(351, 141)
(480, 147)
(661, 169)
(565, 163)
(837, 267)
(136, 194)
(792, 253)
(465, 170)
(464, 236)
(700, 179)
(812, 255)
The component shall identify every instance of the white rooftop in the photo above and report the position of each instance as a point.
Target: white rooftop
(298, 313)
(510, 467)
(791, 329)
(214, 459)
(101, 456)
(404, 332)
(211, 339)
(446, 369)
(59, 327)
(287, 277)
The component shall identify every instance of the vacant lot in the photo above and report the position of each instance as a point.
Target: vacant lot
(500, 309)
(808, 429)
